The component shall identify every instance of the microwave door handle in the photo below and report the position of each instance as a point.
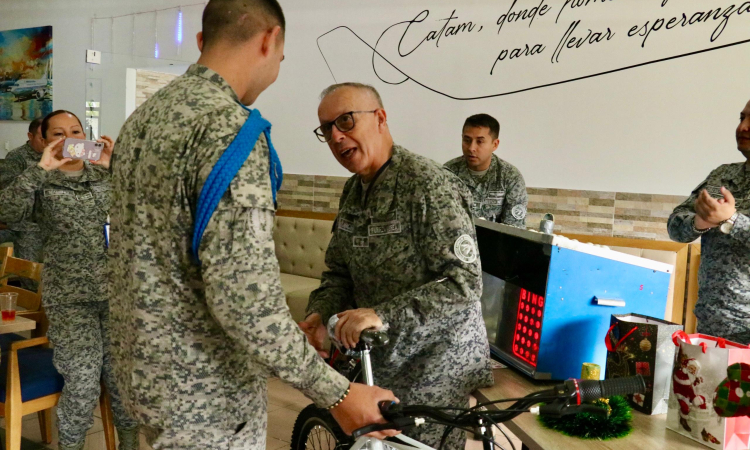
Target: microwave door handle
(609, 302)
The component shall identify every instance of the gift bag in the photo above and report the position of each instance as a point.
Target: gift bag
(709, 394)
(642, 345)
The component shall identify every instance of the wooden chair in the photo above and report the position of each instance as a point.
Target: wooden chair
(12, 267)
(29, 302)
(14, 406)
(32, 385)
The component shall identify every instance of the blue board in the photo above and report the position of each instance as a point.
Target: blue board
(574, 326)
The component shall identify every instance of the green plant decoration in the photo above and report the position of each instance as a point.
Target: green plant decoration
(594, 426)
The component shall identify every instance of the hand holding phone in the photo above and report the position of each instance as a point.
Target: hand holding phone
(82, 149)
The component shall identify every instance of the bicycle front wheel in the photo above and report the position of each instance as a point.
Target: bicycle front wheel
(316, 429)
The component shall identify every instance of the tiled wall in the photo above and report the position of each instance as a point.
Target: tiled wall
(618, 214)
(148, 82)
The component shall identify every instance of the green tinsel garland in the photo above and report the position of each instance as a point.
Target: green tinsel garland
(592, 426)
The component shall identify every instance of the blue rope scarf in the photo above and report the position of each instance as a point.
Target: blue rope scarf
(227, 167)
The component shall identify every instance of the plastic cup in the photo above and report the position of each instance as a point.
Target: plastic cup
(8, 306)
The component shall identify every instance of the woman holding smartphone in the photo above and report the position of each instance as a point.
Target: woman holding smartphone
(69, 199)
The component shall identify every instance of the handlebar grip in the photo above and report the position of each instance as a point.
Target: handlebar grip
(374, 338)
(385, 405)
(592, 390)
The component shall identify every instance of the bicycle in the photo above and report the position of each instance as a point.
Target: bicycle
(315, 428)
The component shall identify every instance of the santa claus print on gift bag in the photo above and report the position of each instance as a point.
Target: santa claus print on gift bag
(686, 385)
(700, 392)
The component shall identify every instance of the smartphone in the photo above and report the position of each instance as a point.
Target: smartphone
(82, 149)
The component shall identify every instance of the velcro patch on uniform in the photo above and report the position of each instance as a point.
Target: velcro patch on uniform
(465, 249)
(360, 241)
(518, 211)
(58, 192)
(495, 197)
(345, 225)
(383, 228)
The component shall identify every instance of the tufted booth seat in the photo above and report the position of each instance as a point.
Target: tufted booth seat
(301, 247)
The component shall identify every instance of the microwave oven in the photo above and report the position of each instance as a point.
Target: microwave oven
(547, 300)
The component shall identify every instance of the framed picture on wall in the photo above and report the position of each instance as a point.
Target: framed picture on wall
(25, 73)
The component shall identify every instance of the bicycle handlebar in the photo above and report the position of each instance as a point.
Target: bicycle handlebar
(591, 390)
(571, 397)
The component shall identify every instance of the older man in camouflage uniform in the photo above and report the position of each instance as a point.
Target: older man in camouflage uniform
(194, 344)
(718, 211)
(27, 242)
(497, 187)
(403, 253)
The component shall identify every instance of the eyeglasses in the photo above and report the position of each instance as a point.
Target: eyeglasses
(343, 123)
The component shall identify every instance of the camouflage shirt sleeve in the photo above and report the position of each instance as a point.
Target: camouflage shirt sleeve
(336, 286)
(17, 199)
(680, 223)
(741, 229)
(244, 293)
(14, 166)
(515, 197)
(440, 216)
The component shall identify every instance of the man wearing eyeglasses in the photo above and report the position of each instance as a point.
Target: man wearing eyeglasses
(497, 187)
(403, 253)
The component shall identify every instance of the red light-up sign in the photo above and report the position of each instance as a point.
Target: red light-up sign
(528, 326)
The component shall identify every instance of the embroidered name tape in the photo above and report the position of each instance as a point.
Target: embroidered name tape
(383, 228)
(345, 225)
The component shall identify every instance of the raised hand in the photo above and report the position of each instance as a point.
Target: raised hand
(106, 157)
(52, 156)
(710, 212)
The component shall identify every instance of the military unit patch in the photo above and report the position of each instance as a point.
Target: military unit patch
(465, 249)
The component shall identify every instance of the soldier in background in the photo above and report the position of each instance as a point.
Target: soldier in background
(194, 343)
(26, 238)
(717, 212)
(403, 253)
(69, 199)
(497, 187)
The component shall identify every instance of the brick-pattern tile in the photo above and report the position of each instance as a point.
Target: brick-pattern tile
(582, 212)
(643, 216)
(296, 192)
(327, 191)
(148, 82)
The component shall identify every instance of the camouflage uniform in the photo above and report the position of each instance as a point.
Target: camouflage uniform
(193, 345)
(499, 195)
(409, 253)
(71, 212)
(27, 243)
(723, 307)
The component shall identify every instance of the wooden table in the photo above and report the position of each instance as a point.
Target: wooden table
(19, 324)
(649, 432)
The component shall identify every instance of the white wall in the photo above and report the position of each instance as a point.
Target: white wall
(656, 129)
(71, 34)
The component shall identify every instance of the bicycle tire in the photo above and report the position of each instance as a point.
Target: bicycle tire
(316, 429)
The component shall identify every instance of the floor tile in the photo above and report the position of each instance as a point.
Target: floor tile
(275, 444)
(281, 394)
(281, 423)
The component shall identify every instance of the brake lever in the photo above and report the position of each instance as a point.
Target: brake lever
(399, 423)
